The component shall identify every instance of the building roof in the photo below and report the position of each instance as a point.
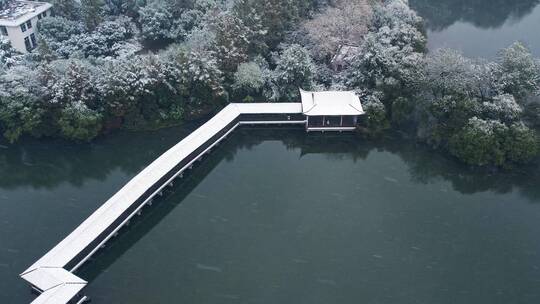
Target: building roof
(344, 54)
(17, 12)
(331, 103)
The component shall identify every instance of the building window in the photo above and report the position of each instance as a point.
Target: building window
(28, 44)
(33, 39)
(29, 24)
(23, 27)
(3, 31)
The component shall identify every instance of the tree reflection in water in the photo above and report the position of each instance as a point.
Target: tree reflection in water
(41, 164)
(486, 14)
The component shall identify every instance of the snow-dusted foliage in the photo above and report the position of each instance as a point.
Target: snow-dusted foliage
(4, 3)
(391, 56)
(502, 107)
(294, 69)
(21, 110)
(248, 80)
(344, 23)
(199, 76)
(447, 72)
(53, 31)
(518, 71)
(227, 36)
(142, 89)
(376, 113)
(77, 83)
(232, 40)
(79, 122)
(92, 13)
(276, 16)
(8, 55)
(403, 26)
(490, 142)
(156, 21)
(105, 40)
(123, 7)
(69, 9)
(169, 20)
(476, 143)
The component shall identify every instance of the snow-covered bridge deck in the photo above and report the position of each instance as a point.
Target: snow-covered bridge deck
(52, 275)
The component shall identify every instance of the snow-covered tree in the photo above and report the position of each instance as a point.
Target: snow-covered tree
(232, 40)
(477, 144)
(169, 20)
(345, 23)
(443, 117)
(8, 55)
(142, 90)
(490, 142)
(57, 29)
(502, 107)
(521, 143)
(123, 7)
(402, 24)
(77, 83)
(156, 21)
(199, 76)
(519, 71)
(20, 108)
(294, 70)
(92, 12)
(105, 40)
(4, 3)
(384, 67)
(70, 9)
(447, 72)
(277, 16)
(484, 79)
(391, 57)
(376, 116)
(79, 122)
(248, 80)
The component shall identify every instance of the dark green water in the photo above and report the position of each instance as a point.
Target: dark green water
(278, 216)
(480, 28)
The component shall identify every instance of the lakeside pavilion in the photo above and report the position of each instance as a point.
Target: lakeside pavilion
(52, 276)
(331, 110)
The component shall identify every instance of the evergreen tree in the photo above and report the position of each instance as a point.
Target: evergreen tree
(92, 13)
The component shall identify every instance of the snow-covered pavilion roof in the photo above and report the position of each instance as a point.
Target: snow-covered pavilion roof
(331, 103)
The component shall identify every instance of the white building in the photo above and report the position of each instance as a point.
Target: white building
(18, 21)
